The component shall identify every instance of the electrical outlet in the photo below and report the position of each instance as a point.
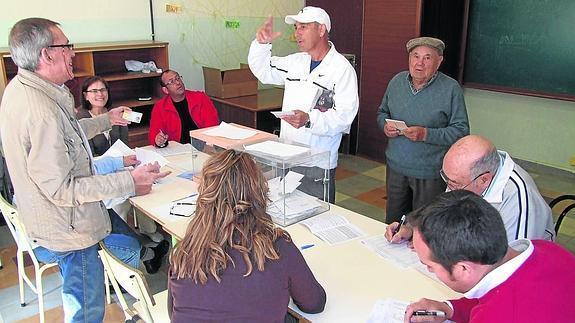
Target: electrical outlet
(173, 8)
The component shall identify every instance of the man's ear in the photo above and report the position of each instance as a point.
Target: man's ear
(322, 30)
(165, 90)
(44, 55)
(463, 270)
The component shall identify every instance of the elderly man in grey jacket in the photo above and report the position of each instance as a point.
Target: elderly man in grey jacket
(48, 156)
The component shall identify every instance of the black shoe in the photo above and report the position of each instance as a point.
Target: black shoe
(154, 264)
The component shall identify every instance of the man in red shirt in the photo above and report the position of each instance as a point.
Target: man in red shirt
(461, 238)
(179, 112)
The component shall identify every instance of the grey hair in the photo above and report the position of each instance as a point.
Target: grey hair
(26, 40)
(487, 163)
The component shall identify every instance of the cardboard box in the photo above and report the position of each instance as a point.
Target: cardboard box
(230, 83)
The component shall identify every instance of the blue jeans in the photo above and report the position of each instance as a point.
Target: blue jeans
(83, 294)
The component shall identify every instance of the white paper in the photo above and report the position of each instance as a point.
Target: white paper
(118, 149)
(280, 114)
(278, 149)
(173, 148)
(388, 311)
(332, 228)
(146, 156)
(398, 253)
(163, 211)
(229, 131)
(397, 124)
(293, 205)
(278, 186)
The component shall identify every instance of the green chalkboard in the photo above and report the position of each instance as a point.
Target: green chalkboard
(525, 46)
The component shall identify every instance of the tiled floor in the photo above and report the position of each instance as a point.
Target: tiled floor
(360, 185)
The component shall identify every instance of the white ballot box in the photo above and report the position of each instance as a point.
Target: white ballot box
(297, 189)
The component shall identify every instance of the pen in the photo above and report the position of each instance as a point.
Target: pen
(185, 203)
(185, 197)
(306, 246)
(401, 222)
(429, 313)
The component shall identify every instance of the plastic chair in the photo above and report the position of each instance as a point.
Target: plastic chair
(19, 233)
(555, 201)
(150, 308)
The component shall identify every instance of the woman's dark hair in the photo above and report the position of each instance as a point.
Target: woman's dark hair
(89, 81)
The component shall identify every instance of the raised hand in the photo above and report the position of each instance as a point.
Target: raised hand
(266, 33)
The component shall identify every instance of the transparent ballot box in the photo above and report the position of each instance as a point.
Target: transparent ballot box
(208, 141)
(298, 189)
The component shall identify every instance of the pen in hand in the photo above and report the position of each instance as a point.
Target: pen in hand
(429, 313)
(401, 222)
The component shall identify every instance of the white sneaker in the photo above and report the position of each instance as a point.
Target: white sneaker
(154, 236)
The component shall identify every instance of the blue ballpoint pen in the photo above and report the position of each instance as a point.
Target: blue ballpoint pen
(306, 246)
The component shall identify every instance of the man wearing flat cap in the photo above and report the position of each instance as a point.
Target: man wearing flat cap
(431, 105)
(320, 89)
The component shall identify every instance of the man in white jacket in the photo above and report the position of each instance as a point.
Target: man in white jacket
(320, 88)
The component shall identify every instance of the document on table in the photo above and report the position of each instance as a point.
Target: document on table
(397, 253)
(187, 210)
(227, 130)
(388, 311)
(173, 148)
(280, 114)
(149, 157)
(332, 228)
(278, 149)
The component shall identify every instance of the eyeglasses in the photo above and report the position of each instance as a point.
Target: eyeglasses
(177, 79)
(69, 46)
(95, 91)
(182, 206)
(453, 185)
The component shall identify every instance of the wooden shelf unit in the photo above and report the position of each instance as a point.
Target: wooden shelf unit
(107, 60)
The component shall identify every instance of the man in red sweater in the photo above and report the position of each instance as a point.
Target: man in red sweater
(179, 112)
(461, 238)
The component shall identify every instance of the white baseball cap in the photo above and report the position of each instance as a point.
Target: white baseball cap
(310, 14)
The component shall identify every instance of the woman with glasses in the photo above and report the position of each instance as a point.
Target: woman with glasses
(234, 265)
(96, 100)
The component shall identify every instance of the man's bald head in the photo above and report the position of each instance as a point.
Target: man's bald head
(468, 158)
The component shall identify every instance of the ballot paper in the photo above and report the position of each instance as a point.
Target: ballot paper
(388, 311)
(280, 114)
(173, 148)
(292, 206)
(146, 156)
(227, 130)
(119, 149)
(277, 149)
(398, 253)
(279, 187)
(332, 228)
(397, 124)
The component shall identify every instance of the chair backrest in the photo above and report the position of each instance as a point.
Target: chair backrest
(569, 206)
(131, 279)
(16, 227)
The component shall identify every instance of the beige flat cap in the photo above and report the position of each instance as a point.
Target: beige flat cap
(434, 43)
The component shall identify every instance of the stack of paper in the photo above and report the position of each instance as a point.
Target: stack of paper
(228, 131)
(397, 253)
(180, 208)
(294, 205)
(332, 228)
(278, 149)
(388, 311)
(173, 148)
